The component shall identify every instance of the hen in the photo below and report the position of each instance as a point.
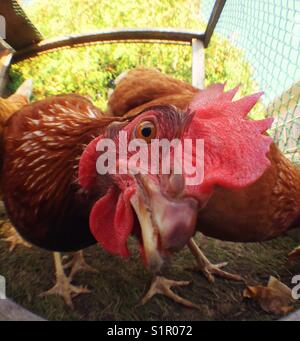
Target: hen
(42, 144)
(167, 204)
(258, 212)
(7, 107)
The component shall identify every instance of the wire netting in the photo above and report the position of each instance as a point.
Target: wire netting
(268, 32)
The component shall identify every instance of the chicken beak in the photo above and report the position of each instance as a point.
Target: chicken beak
(153, 258)
(167, 223)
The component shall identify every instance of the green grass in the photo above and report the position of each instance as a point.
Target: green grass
(119, 285)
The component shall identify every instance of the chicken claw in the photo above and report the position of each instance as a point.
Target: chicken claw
(210, 270)
(12, 236)
(162, 285)
(63, 286)
(78, 264)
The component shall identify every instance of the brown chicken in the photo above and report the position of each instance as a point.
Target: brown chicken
(258, 212)
(42, 144)
(8, 107)
(166, 204)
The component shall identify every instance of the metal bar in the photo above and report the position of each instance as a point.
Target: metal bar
(213, 20)
(198, 71)
(160, 35)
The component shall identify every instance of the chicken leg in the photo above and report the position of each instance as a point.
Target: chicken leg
(161, 285)
(207, 268)
(77, 264)
(63, 286)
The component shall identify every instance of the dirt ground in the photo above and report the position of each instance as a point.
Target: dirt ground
(119, 285)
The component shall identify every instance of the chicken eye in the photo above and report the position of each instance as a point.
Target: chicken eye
(145, 130)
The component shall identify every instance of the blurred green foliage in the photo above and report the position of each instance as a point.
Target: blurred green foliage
(90, 70)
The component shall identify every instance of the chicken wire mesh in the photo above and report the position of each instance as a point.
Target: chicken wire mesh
(268, 32)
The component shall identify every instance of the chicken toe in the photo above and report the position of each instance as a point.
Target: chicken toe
(12, 236)
(77, 264)
(207, 268)
(162, 285)
(63, 286)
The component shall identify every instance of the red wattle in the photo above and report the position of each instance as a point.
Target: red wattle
(111, 221)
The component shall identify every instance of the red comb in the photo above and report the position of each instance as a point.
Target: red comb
(235, 147)
(213, 93)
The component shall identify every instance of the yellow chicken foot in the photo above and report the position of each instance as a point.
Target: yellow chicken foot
(12, 236)
(161, 285)
(210, 270)
(77, 264)
(63, 286)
